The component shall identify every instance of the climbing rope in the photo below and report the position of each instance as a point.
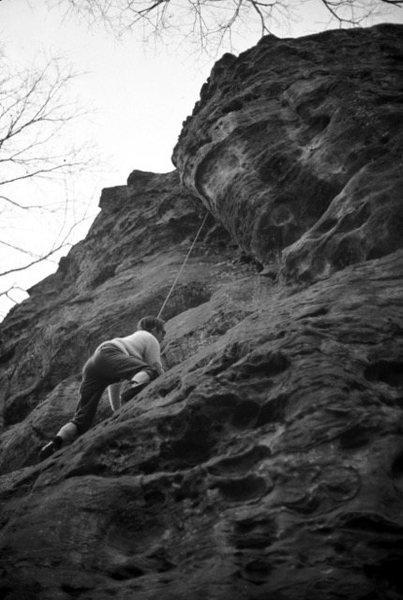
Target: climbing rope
(183, 265)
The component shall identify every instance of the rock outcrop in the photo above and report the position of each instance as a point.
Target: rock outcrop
(296, 146)
(268, 461)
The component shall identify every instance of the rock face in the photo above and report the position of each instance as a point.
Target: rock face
(297, 146)
(267, 462)
(123, 270)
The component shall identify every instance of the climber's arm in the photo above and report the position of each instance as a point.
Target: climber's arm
(152, 355)
(157, 366)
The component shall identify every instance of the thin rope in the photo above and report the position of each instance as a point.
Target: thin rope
(183, 265)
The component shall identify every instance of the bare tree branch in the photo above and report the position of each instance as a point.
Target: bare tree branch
(36, 111)
(63, 244)
(18, 249)
(14, 287)
(210, 21)
(34, 262)
(18, 205)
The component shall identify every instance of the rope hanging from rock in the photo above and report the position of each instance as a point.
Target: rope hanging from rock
(183, 265)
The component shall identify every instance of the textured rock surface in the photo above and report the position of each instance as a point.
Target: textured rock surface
(268, 461)
(123, 270)
(298, 145)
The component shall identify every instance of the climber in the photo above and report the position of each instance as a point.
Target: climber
(136, 357)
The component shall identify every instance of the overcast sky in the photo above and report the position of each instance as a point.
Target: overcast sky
(137, 96)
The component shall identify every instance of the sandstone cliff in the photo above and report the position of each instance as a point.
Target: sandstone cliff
(268, 461)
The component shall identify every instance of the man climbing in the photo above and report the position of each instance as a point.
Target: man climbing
(136, 357)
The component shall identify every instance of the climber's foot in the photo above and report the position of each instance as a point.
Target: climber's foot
(49, 449)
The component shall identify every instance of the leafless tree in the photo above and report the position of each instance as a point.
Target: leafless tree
(36, 111)
(212, 21)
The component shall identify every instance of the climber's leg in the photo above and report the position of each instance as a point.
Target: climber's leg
(108, 365)
(91, 390)
(117, 366)
(93, 385)
(67, 434)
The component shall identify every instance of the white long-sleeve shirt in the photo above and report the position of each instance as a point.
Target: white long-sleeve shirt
(141, 345)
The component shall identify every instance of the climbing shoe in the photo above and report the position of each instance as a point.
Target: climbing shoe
(50, 448)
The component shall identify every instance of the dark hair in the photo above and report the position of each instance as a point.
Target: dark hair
(149, 323)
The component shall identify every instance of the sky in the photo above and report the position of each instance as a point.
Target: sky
(135, 96)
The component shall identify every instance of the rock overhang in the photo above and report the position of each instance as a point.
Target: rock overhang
(296, 135)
